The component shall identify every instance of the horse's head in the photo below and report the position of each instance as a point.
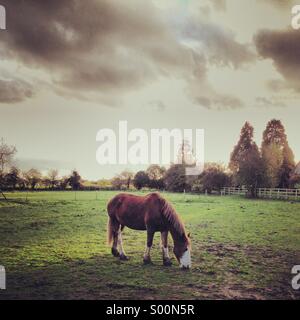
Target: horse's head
(182, 251)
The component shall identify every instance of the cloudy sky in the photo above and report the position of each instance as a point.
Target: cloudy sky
(70, 68)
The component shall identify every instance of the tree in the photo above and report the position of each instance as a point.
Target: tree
(117, 182)
(245, 161)
(212, 178)
(53, 178)
(75, 180)
(12, 178)
(46, 182)
(126, 177)
(294, 181)
(287, 167)
(185, 154)
(175, 179)
(33, 177)
(63, 183)
(141, 180)
(22, 180)
(277, 155)
(122, 180)
(156, 174)
(6, 155)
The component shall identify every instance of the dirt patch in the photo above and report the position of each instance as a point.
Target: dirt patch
(251, 272)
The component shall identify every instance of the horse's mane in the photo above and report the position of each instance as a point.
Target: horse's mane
(172, 217)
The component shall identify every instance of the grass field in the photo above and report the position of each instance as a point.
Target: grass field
(53, 246)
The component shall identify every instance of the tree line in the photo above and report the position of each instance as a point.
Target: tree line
(12, 178)
(272, 165)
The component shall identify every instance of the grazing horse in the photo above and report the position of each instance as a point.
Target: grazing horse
(152, 213)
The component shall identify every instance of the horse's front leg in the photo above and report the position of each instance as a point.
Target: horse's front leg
(165, 250)
(150, 235)
(120, 243)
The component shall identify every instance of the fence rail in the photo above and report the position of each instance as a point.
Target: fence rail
(266, 193)
(234, 191)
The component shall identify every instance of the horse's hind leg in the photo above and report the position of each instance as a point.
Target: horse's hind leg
(165, 250)
(120, 242)
(114, 249)
(150, 235)
(114, 227)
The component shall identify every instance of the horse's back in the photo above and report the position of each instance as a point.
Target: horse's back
(135, 211)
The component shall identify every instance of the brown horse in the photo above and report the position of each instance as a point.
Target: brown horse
(152, 213)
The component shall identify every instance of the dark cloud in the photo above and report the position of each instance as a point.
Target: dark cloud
(283, 48)
(14, 90)
(101, 49)
(218, 44)
(94, 46)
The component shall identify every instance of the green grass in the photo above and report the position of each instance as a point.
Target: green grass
(54, 247)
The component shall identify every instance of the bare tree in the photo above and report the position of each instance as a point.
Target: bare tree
(7, 153)
(53, 177)
(126, 178)
(33, 177)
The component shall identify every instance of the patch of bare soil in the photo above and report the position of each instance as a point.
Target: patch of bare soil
(251, 272)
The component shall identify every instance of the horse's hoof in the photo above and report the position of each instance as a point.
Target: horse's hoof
(167, 263)
(147, 261)
(115, 252)
(123, 257)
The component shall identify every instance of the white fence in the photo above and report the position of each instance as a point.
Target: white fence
(266, 193)
(234, 191)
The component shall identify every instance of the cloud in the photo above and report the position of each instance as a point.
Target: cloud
(267, 103)
(219, 101)
(14, 90)
(276, 85)
(218, 44)
(157, 105)
(280, 3)
(100, 50)
(219, 5)
(97, 47)
(42, 164)
(283, 48)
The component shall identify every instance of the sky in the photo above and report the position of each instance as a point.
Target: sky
(71, 68)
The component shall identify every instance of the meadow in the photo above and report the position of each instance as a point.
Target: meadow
(53, 246)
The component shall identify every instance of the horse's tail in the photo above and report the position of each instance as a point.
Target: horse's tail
(110, 231)
(112, 224)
